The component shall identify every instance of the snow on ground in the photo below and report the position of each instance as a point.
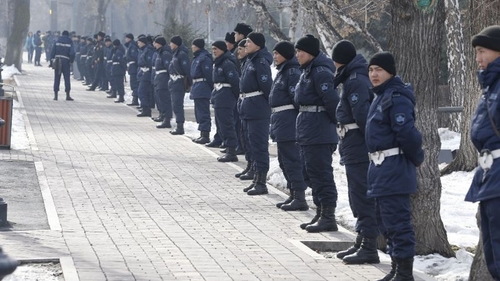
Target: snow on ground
(9, 71)
(19, 139)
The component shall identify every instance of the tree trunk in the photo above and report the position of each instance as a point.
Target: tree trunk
(293, 20)
(456, 59)
(327, 33)
(18, 33)
(478, 269)
(102, 6)
(412, 25)
(263, 16)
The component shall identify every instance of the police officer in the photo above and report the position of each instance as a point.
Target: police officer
(145, 64)
(284, 114)
(179, 81)
(89, 60)
(61, 56)
(118, 70)
(395, 148)
(83, 52)
(201, 73)
(355, 99)
(107, 78)
(131, 57)
(76, 71)
(38, 47)
(254, 109)
(486, 138)
(162, 94)
(230, 42)
(224, 96)
(47, 44)
(97, 61)
(318, 99)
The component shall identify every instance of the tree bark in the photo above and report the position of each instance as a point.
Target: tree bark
(412, 25)
(327, 33)
(102, 6)
(15, 43)
(264, 16)
(293, 20)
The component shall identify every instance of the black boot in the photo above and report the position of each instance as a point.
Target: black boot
(366, 254)
(314, 219)
(55, 95)
(135, 101)
(213, 143)
(249, 175)
(230, 156)
(247, 168)
(68, 97)
(298, 203)
(353, 249)
(205, 138)
(146, 112)
(326, 221)
(158, 119)
(254, 182)
(120, 99)
(404, 270)
(179, 130)
(164, 124)
(7, 265)
(288, 200)
(111, 96)
(260, 187)
(391, 273)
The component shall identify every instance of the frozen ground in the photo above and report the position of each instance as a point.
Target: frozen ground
(37, 272)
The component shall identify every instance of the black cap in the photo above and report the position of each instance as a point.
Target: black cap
(243, 28)
(177, 40)
(199, 42)
(38, 32)
(161, 40)
(65, 33)
(308, 44)
(220, 45)
(116, 43)
(230, 38)
(488, 38)
(258, 39)
(101, 34)
(130, 36)
(384, 60)
(242, 43)
(107, 40)
(143, 39)
(285, 49)
(343, 52)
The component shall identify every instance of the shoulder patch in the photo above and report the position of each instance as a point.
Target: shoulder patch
(230, 74)
(354, 98)
(396, 95)
(400, 118)
(320, 69)
(184, 62)
(264, 77)
(353, 76)
(324, 87)
(263, 61)
(292, 89)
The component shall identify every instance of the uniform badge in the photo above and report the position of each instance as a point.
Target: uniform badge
(379, 108)
(354, 98)
(184, 62)
(324, 87)
(400, 118)
(292, 89)
(230, 74)
(263, 77)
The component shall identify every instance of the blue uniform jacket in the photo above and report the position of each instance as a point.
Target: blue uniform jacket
(355, 100)
(63, 47)
(162, 62)
(283, 93)
(226, 71)
(145, 64)
(108, 57)
(131, 57)
(201, 67)
(316, 88)
(483, 135)
(390, 124)
(179, 66)
(256, 76)
(119, 65)
(153, 68)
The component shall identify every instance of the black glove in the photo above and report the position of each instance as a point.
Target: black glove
(2, 122)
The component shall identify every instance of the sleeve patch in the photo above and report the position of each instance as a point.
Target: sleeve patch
(354, 98)
(264, 78)
(324, 87)
(400, 118)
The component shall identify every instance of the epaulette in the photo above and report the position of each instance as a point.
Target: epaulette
(353, 76)
(320, 69)
(263, 61)
(291, 71)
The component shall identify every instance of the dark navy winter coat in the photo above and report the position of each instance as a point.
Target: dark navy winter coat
(63, 47)
(355, 100)
(283, 93)
(119, 64)
(131, 57)
(315, 87)
(256, 76)
(179, 66)
(483, 135)
(108, 57)
(391, 124)
(145, 64)
(162, 62)
(225, 71)
(201, 67)
(37, 40)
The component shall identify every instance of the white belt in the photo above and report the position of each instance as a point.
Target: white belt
(145, 69)
(219, 86)
(199, 80)
(252, 94)
(342, 129)
(175, 77)
(486, 157)
(282, 108)
(77, 53)
(378, 157)
(161, 71)
(114, 63)
(312, 108)
(61, 56)
(130, 62)
(83, 56)
(109, 61)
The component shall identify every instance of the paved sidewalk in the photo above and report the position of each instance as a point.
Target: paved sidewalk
(131, 202)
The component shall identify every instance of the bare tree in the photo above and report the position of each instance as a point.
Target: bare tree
(264, 16)
(293, 20)
(21, 22)
(411, 25)
(102, 6)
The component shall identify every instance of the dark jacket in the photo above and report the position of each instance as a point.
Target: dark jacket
(179, 66)
(201, 68)
(63, 49)
(162, 62)
(37, 40)
(355, 101)
(483, 135)
(283, 93)
(108, 57)
(391, 124)
(118, 65)
(256, 76)
(225, 71)
(316, 88)
(131, 57)
(145, 64)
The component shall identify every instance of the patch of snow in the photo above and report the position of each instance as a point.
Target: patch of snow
(446, 269)
(19, 138)
(449, 139)
(9, 71)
